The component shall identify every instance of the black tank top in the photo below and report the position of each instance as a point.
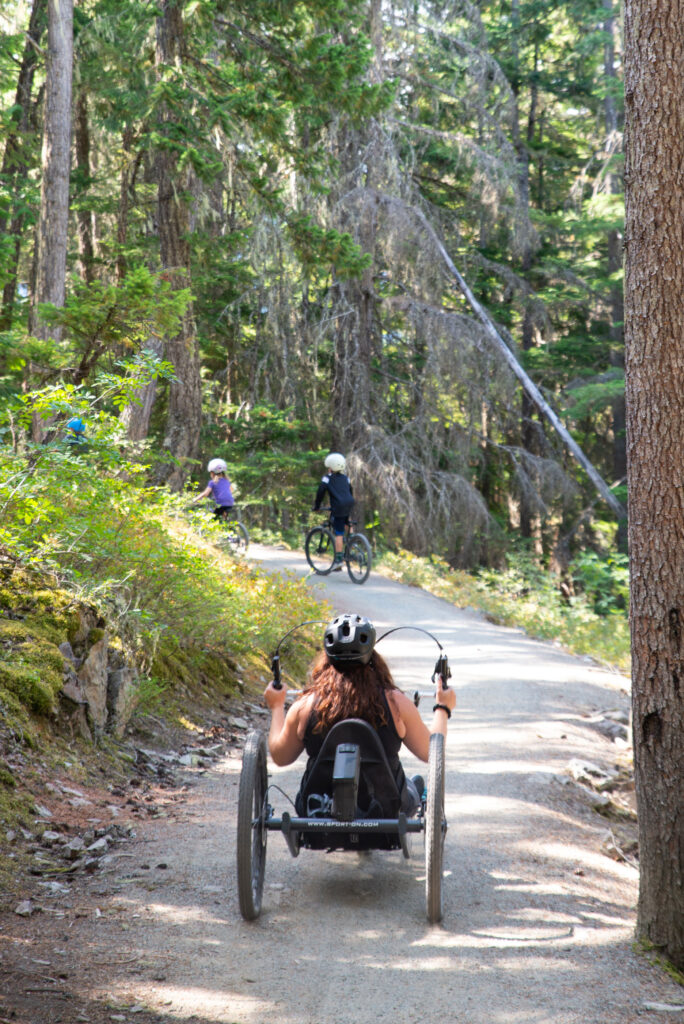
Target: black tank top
(389, 737)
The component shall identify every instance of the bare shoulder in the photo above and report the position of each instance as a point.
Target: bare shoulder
(399, 700)
(300, 711)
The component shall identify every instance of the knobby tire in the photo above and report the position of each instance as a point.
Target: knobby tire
(237, 536)
(319, 548)
(359, 558)
(434, 831)
(251, 833)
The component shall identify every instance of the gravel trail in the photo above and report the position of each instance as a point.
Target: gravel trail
(538, 920)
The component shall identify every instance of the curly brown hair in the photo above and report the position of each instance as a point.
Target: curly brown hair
(355, 692)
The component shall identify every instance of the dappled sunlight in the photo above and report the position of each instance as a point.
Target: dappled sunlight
(533, 911)
(178, 1001)
(571, 855)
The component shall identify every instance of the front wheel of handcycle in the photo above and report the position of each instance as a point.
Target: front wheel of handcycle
(319, 548)
(251, 828)
(435, 828)
(359, 558)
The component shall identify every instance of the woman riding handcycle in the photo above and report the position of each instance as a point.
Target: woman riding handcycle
(351, 720)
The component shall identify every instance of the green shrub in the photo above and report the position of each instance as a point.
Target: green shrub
(604, 579)
(523, 595)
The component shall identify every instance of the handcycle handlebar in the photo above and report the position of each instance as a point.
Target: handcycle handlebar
(275, 669)
(441, 665)
(442, 669)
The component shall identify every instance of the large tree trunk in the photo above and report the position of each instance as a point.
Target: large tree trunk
(53, 226)
(654, 80)
(16, 160)
(54, 195)
(181, 435)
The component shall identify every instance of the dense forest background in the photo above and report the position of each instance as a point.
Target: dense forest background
(257, 201)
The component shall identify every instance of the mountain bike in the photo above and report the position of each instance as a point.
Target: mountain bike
(234, 531)
(319, 548)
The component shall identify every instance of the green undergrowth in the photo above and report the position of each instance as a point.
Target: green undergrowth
(182, 608)
(530, 600)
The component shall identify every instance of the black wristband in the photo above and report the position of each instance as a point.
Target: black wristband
(442, 707)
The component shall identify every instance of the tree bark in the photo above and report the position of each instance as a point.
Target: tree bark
(530, 525)
(16, 158)
(181, 435)
(351, 392)
(56, 160)
(615, 186)
(84, 216)
(654, 320)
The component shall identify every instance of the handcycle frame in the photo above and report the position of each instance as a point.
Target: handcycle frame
(319, 548)
(336, 825)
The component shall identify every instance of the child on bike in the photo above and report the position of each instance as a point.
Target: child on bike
(336, 485)
(75, 437)
(218, 488)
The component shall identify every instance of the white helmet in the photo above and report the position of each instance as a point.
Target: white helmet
(217, 466)
(336, 462)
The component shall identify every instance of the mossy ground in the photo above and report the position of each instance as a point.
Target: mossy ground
(35, 617)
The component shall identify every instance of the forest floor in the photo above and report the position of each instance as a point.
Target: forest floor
(138, 922)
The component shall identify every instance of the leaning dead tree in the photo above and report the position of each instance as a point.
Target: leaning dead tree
(526, 381)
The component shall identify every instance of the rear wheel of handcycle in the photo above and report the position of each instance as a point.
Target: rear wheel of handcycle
(319, 548)
(359, 558)
(251, 830)
(434, 829)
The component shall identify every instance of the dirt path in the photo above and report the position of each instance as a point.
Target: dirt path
(538, 920)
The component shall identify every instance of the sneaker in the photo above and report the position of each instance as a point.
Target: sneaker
(337, 567)
(419, 782)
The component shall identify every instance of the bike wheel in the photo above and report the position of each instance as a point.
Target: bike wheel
(359, 557)
(319, 548)
(251, 831)
(435, 828)
(238, 538)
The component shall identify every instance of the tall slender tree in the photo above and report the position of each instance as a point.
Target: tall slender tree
(17, 160)
(182, 430)
(56, 161)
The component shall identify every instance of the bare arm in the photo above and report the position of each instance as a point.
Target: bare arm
(284, 744)
(205, 494)
(417, 736)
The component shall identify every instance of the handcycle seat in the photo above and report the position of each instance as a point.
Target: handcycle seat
(378, 792)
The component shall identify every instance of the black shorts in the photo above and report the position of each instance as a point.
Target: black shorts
(224, 511)
(338, 525)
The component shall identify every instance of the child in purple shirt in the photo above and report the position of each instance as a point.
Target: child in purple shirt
(218, 488)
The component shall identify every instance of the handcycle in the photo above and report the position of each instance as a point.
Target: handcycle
(348, 801)
(319, 548)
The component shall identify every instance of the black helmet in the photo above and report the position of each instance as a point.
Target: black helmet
(349, 638)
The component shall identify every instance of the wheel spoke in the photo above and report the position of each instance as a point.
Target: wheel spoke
(319, 548)
(251, 833)
(359, 557)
